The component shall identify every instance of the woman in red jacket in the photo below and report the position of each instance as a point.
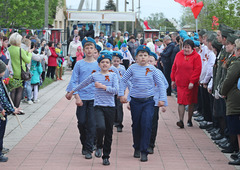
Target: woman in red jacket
(52, 60)
(185, 75)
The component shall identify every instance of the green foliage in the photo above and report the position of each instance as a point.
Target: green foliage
(227, 11)
(46, 82)
(25, 13)
(157, 20)
(110, 5)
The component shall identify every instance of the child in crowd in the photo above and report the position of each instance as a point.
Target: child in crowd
(127, 57)
(106, 84)
(109, 47)
(60, 60)
(116, 48)
(85, 97)
(5, 108)
(144, 77)
(116, 59)
(97, 52)
(79, 53)
(36, 71)
(153, 61)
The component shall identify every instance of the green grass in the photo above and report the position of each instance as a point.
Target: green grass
(46, 82)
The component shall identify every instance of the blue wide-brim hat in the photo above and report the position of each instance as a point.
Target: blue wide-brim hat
(99, 48)
(106, 52)
(104, 56)
(123, 45)
(109, 45)
(154, 55)
(117, 54)
(88, 39)
(143, 48)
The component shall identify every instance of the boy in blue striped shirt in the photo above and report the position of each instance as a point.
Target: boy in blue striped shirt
(106, 84)
(153, 61)
(144, 77)
(116, 59)
(85, 97)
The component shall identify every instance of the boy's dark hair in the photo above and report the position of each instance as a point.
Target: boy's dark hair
(88, 44)
(178, 39)
(58, 43)
(189, 42)
(42, 40)
(50, 44)
(141, 51)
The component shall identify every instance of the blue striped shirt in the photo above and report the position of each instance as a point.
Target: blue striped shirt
(144, 79)
(102, 97)
(81, 71)
(121, 70)
(157, 91)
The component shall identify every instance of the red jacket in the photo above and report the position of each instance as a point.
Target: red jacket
(186, 69)
(52, 59)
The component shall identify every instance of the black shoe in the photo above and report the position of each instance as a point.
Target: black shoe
(150, 150)
(213, 130)
(209, 128)
(196, 114)
(84, 152)
(180, 124)
(98, 153)
(199, 119)
(221, 141)
(5, 150)
(119, 129)
(3, 158)
(144, 157)
(217, 137)
(189, 123)
(205, 125)
(229, 150)
(225, 146)
(214, 133)
(136, 153)
(235, 162)
(88, 155)
(94, 147)
(106, 161)
(235, 156)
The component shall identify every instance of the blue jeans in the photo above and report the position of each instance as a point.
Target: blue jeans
(142, 117)
(86, 124)
(27, 90)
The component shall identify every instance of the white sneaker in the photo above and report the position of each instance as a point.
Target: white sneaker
(30, 102)
(36, 101)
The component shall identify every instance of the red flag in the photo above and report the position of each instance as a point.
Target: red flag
(44, 31)
(186, 3)
(215, 22)
(146, 25)
(27, 31)
(10, 30)
(196, 9)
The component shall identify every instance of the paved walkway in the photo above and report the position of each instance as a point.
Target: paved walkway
(50, 140)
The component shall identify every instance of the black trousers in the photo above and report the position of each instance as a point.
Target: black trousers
(16, 96)
(43, 75)
(206, 104)
(167, 72)
(154, 127)
(126, 63)
(86, 124)
(118, 112)
(2, 132)
(51, 71)
(74, 62)
(104, 117)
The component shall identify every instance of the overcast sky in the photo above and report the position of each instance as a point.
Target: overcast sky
(169, 8)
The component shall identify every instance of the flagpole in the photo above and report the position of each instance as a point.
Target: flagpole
(196, 26)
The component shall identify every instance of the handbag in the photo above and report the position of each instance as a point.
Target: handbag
(25, 75)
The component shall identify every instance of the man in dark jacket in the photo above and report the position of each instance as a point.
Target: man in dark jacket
(166, 60)
(90, 32)
(82, 32)
(133, 45)
(112, 38)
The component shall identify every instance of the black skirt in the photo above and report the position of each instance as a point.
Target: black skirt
(233, 122)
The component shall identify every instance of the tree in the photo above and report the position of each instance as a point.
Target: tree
(110, 5)
(228, 12)
(157, 20)
(25, 13)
